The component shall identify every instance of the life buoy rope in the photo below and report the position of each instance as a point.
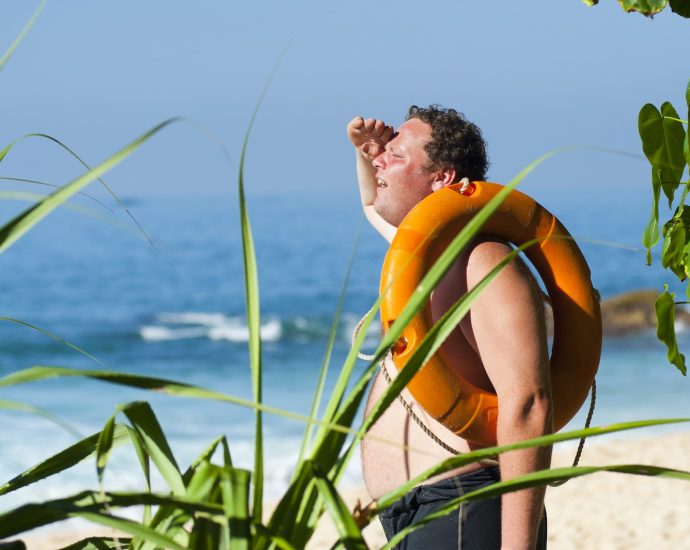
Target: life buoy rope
(466, 410)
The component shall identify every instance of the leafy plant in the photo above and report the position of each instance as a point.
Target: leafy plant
(666, 145)
(650, 8)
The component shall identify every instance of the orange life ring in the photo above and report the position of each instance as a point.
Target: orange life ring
(423, 235)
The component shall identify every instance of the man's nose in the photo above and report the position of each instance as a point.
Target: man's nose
(379, 161)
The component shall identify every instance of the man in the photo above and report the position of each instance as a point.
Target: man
(499, 346)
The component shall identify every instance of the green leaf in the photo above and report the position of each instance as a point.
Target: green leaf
(24, 407)
(535, 479)
(235, 491)
(650, 236)
(665, 328)
(329, 349)
(15, 228)
(63, 460)
(146, 424)
(143, 458)
(100, 543)
(662, 142)
(251, 284)
(681, 7)
(104, 446)
(645, 7)
(95, 507)
(491, 452)
(30, 23)
(686, 147)
(349, 534)
(672, 252)
(590, 3)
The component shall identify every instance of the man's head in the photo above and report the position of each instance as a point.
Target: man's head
(433, 148)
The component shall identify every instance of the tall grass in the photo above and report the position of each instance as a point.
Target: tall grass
(213, 504)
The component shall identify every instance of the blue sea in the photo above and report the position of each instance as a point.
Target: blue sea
(176, 310)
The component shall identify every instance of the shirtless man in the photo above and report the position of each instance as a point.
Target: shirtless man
(500, 346)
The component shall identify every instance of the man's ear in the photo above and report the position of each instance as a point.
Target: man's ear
(443, 178)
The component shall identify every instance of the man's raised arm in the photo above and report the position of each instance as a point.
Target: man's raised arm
(369, 138)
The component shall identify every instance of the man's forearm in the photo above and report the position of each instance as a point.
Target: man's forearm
(367, 179)
(521, 511)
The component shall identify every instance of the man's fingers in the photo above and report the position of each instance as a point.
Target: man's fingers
(379, 127)
(387, 134)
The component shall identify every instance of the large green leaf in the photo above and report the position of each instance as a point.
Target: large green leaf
(15, 44)
(662, 142)
(645, 7)
(62, 461)
(234, 486)
(665, 328)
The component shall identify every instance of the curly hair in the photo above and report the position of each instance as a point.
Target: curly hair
(455, 142)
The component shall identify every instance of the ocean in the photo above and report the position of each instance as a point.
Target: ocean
(176, 310)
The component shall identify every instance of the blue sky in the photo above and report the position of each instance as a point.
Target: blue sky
(534, 75)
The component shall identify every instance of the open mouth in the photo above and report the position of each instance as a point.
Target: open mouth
(381, 184)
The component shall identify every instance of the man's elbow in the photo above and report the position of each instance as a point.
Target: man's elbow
(533, 411)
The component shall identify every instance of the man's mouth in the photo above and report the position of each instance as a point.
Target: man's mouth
(380, 183)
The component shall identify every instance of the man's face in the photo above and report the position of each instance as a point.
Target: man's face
(401, 178)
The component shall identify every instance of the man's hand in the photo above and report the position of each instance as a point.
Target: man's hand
(369, 136)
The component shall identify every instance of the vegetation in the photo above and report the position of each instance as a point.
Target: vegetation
(650, 8)
(213, 504)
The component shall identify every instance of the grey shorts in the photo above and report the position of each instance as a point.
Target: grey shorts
(475, 526)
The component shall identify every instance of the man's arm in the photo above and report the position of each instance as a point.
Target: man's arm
(369, 138)
(507, 328)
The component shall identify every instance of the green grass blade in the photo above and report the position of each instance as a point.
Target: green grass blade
(112, 193)
(144, 421)
(121, 204)
(20, 37)
(235, 491)
(143, 459)
(54, 337)
(30, 516)
(63, 460)
(272, 538)
(55, 186)
(329, 349)
(25, 407)
(349, 534)
(491, 452)
(169, 387)
(15, 228)
(128, 526)
(103, 447)
(100, 543)
(535, 479)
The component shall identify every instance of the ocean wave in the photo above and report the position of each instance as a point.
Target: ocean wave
(170, 326)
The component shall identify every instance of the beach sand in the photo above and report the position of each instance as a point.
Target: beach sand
(601, 511)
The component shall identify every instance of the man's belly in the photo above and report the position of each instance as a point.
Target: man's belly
(397, 448)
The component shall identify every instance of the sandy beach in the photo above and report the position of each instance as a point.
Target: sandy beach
(602, 511)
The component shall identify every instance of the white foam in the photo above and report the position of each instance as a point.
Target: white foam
(159, 334)
(192, 318)
(236, 332)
